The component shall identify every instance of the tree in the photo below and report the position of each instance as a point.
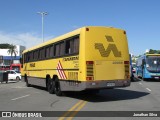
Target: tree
(12, 50)
(151, 51)
(158, 51)
(4, 46)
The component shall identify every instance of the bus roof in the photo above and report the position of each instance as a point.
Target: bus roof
(64, 36)
(152, 54)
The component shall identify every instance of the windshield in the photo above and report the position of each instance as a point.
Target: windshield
(153, 63)
(17, 71)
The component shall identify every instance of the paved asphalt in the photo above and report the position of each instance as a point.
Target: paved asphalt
(140, 96)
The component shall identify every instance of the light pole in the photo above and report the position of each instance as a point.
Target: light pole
(42, 14)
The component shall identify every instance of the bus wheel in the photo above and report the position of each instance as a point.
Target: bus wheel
(57, 90)
(51, 85)
(26, 80)
(144, 79)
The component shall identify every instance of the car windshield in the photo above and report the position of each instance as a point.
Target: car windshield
(17, 71)
(153, 63)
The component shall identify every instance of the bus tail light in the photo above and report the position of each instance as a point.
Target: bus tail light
(89, 70)
(127, 67)
(89, 78)
(89, 62)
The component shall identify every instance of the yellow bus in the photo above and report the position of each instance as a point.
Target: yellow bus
(89, 58)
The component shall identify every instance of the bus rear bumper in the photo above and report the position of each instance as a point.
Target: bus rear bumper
(107, 84)
(101, 84)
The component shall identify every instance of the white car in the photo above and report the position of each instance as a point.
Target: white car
(13, 75)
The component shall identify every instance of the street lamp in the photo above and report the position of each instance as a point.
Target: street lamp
(42, 14)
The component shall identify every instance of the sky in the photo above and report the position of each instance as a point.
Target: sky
(20, 24)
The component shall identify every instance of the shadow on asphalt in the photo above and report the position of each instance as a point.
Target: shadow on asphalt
(103, 95)
(152, 80)
(108, 95)
(9, 82)
(38, 87)
(136, 79)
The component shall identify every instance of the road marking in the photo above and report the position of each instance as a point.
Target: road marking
(148, 89)
(20, 87)
(140, 83)
(76, 111)
(21, 97)
(80, 105)
(71, 109)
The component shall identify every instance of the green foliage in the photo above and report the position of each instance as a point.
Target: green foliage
(5, 46)
(133, 60)
(151, 51)
(12, 50)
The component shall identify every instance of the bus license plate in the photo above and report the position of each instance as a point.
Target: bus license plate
(110, 84)
(156, 77)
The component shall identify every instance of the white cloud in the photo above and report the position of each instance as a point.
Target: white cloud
(25, 39)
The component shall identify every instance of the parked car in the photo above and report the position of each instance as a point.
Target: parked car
(133, 67)
(13, 75)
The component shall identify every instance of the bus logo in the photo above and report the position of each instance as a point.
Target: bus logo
(111, 47)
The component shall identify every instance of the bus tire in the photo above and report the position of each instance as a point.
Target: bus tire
(50, 85)
(132, 78)
(57, 90)
(144, 79)
(26, 80)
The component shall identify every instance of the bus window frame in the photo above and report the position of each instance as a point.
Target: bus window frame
(27, 55)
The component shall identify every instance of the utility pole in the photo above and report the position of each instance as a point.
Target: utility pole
(42, 14)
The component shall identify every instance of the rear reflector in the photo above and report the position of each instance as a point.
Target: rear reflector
(87, 29)
(89, 62)
(126, 62)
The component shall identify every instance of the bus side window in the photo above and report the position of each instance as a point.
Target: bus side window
(51, 51)
(68, 48)
(61, 48)
(47, 52)
(76, 45)
(56, 50)
(72, 46)
(28, 57)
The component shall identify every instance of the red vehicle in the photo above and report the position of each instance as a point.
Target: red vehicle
(16, 67)
(4, 67)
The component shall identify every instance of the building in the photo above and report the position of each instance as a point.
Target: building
(5, 57)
